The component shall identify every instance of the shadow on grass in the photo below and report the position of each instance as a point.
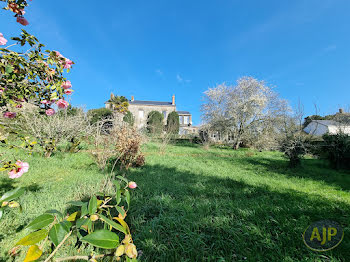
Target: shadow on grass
(7, 184)
(313, 169)
(181, 216)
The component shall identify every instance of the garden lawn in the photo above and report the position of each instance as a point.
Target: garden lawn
(193, 204)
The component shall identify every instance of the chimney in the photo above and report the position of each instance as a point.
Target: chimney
(132, 99)
(341, 111)
(173, 100)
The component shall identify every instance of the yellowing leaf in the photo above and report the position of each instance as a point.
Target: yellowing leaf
(74, 216)
(33, 253)
(33, 238)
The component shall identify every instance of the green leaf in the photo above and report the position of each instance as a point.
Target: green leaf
(33, 238)
(1, 212)
(120, 210)
(103, 239)
(66, 225)
(33, 254)
(113, 224)
(84, 210)
(92, 205)
(54, 211)
(127, 197)
(84, 223)
(41, 221)
(57, 234)
(13, 194)
(123, 178)
(76, 203)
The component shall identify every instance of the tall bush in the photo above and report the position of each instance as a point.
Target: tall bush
(129, 118)
(173, 123)
(155, 122)
(336, 149)
(100, 114)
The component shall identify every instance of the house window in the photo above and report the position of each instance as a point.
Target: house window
(141, 114)
(164, 114)
(181, 120)
(186, 120)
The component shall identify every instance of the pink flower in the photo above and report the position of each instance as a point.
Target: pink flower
(66, 85)
(50, 112)
(3, 41)
(19, 106)
(59, 54)
(22, 20)
(45, 102)
(68, 64)
(62, 104)
(23, 167)
(68, 91)
(10, 115)
(132, 185)
(14, 173)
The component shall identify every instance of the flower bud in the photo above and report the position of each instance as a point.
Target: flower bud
(93, 218)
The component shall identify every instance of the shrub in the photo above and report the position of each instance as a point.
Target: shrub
(121, 146)
(173, 123)
(50, 130)
(129, 118)
(100, 114)
(155, 122)
(336, 149)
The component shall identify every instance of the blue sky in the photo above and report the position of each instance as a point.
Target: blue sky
(153, 49)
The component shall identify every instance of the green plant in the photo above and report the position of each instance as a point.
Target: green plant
(129, 118)
(100, 222)
(119, 103)
(155, 123)
(100, 114)
(173, 123)
(336, 149)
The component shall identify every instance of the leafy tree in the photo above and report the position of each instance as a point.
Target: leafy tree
(119, 103)
(155, 122)
(173, 123)
(99, 114)
(129, 118)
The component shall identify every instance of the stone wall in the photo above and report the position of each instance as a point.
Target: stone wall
(141, 122)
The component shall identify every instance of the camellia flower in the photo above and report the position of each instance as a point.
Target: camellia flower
(23, 167)
(50, 112)
(68, 64)
(59, 54)
(22, 20)
(68, 91)
(66, 85)
(10, 114)
(62, 104)
(45, 102)
(132, 185)
(3, 41)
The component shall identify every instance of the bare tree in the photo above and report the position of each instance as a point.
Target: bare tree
(242, 111)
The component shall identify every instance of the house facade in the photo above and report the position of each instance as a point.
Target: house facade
(141, 108)
(321, 127)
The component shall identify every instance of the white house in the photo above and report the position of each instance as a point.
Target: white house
(321, 127)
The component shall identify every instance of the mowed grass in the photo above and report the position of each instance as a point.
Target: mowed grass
(200, 205)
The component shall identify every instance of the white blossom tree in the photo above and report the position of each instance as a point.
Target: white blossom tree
(242, 112)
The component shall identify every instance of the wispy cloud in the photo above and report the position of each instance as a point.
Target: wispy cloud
(181, 80)
(159, 72)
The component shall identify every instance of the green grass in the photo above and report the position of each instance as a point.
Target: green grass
(200, 205)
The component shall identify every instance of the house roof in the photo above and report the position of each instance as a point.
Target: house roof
(151, 103)
(183, 112)
(326, 122)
